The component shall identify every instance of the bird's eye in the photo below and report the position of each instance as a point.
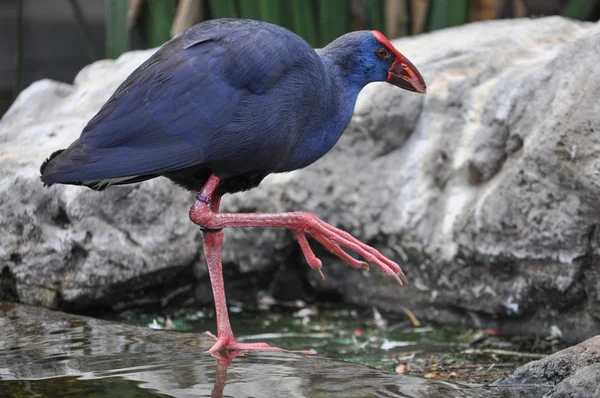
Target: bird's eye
(383, 53)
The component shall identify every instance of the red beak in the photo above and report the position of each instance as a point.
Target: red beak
(405, 75)
(402, 73)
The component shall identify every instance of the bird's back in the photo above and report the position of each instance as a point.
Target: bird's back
(229, 97)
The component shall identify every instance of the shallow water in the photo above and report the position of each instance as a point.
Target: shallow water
(44, 353)
(366, 337)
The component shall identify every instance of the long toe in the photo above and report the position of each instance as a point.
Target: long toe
(266, 347)
(334, 239)
(223, 346)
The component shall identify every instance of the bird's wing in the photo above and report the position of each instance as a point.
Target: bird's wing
(163, 116)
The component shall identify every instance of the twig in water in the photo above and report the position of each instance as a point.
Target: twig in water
(489, 366)
(412, 317)
(505, 353)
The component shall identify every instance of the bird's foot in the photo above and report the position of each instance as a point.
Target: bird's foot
(226, 345)
(334, 239)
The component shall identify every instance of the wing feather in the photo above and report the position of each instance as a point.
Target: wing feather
(166, 115)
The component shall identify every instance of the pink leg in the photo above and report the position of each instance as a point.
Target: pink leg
(204, 213)
(213, 242)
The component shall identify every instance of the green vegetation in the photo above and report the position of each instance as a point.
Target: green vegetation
(157, 18)
(444, 13)
(581, 9)
(117, 35)
(318, 21)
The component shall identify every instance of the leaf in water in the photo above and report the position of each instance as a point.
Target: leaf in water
(154, 325)
(401, 368)
(196, 316)
(344, 341)
(267, 336)
(169, 325)
(388, 345)
(380, 321)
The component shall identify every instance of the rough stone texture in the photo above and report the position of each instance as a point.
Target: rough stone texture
(72, 247)
(573, 372)
(486, 190)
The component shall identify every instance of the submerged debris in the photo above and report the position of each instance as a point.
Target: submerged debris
(380, 322)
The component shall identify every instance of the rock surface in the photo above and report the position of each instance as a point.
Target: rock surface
(486, 190)
(573, 372)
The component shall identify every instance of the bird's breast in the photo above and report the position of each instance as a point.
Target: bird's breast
(319, 136)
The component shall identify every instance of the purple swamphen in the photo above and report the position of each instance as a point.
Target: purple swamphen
(221, 106)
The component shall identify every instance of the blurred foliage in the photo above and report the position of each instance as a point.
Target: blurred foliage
(92, 48)
(445, 13)
(581, 9)
(156, 21)
(321, 21)
(117, 35)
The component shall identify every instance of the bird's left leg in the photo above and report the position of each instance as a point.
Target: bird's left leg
(300, 223)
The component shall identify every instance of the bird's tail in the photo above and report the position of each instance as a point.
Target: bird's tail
(46, 162)
(60, 168)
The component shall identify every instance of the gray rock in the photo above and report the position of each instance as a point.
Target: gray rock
(67, 247)
(485, 190)
(573, 372)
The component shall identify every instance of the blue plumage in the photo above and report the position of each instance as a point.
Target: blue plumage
(236, 98)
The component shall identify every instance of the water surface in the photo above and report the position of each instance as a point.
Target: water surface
(48, 354)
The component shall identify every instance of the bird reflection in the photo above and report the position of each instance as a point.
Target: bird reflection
(224, 359)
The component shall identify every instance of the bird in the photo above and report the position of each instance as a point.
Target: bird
(218, 108)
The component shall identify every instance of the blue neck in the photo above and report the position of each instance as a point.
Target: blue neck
(337, 107)
(349, 63)
(346, 86)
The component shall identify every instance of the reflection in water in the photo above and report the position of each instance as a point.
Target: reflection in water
(48, 353)
(223, 361)
(220, 380)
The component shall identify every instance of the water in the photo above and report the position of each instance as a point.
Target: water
(366, 337)
(49, 354)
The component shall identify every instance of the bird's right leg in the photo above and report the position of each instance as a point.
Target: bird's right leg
(300, 223)
(213, 243)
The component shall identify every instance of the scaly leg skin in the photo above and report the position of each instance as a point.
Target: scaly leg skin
(213, 241)
(204, 212)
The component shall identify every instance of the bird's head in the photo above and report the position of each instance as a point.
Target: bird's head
(368, 56)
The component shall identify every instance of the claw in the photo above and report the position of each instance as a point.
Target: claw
(404, 278)
(398, 279)
(336, 240)
(320, 273)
